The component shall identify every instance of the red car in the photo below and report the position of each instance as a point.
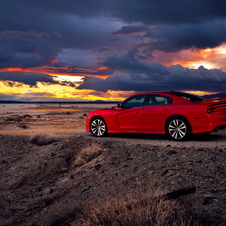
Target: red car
(175, 114)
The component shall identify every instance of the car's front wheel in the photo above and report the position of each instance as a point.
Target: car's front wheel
(178, 128)
(98, 127)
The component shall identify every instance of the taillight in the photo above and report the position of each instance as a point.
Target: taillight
(216, 107)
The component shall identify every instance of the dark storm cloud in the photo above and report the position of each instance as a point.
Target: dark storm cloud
(27, 50)
(32, 33)
(73, 21)
(19, 34)
(179, 25)
(144, 77)
(50, 26)
(201, 36)
(125, 30)
(131, 64)
(155, 12)
(168, 12)
(26, 78)
(142, 51)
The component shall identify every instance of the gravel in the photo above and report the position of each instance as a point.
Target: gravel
(40, 183)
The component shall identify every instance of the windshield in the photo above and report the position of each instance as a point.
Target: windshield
(188, 96)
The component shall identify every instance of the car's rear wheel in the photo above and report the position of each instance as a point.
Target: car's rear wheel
(98, 127)
(178, 128)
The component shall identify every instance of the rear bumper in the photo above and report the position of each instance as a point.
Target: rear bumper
(214, 122)
(217, 120)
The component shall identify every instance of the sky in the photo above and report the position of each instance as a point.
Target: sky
(68, 50)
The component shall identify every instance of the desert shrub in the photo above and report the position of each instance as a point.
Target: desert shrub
(132, 211)
(42, 139)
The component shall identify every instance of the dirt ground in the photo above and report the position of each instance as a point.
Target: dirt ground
(52, 119)
(49, 170)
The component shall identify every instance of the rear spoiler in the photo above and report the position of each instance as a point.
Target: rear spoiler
(214, 101)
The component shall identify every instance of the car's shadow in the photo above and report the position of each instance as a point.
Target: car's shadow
(208, 137)
(212, 137)
(138, 136)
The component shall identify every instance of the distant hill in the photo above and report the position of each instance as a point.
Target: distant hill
(11, 102)
(215, 95)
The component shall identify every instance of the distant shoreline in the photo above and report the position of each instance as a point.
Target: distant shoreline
(70, 102)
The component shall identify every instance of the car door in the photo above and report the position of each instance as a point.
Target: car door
(128, 116)
(155, 112)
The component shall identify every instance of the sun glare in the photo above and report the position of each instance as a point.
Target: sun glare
(196, 65)
(76, 79)
(200, 93)
(221, 49)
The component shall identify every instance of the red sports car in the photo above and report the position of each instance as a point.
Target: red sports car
(175, 114)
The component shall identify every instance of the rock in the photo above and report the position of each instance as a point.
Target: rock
(171, 152)
(169, 172)
(201, 149)
(179, 193)
(86, 189)
(98, 166)
(21, 125)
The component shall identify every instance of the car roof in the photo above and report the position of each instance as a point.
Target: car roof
(176, 96)
(169, 94)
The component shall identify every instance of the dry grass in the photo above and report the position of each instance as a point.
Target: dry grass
(87, 154)
(131, 211)
(79, 161)
(91, 149)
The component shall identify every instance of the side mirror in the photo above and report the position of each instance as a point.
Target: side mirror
(119, 105)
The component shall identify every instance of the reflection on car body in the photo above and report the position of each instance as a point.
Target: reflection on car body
(175, 114)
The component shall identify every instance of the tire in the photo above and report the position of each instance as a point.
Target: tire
(178, 128)
(98, 127)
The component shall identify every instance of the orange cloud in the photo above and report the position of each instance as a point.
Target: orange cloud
(102, 72)
(193, 58)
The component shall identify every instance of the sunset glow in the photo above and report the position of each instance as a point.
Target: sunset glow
(76, 79)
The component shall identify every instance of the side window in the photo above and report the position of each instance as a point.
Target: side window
(135, 101)
(158, 100)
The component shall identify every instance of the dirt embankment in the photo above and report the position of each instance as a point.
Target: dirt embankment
(46, 181)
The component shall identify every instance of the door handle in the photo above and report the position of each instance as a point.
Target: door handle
(137, 112)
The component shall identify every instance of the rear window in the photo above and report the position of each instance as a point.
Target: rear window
(188, 96)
